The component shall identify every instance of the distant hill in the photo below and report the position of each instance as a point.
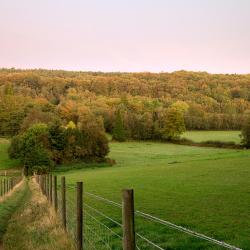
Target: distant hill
(215, 101)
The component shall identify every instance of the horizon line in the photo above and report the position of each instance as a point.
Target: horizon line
(120, 72)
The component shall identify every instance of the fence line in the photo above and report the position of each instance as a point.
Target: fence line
(94, 229)
(7, 184)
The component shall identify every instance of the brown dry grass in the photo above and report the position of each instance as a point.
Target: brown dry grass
(36, 226)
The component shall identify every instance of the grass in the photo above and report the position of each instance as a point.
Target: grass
(5, 162)
(204, 189)
(39, 227)
(10, 205)
(223, 136)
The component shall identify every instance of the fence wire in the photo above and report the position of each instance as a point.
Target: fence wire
(102, 226)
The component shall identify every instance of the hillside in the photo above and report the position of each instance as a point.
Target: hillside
(211, 101)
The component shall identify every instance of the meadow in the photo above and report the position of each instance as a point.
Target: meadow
(5, 162)
(223, 136)
(203, 189)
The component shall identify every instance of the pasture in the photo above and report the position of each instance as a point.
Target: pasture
(5, 162)
(223, 136)
(203, 189)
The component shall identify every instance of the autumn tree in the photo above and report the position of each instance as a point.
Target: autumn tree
(173, 125)
(119, 133)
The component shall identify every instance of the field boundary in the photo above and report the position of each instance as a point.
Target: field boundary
(8, 185)
(81, 219)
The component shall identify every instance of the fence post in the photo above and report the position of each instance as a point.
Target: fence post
(63, 191)
(1, 187)
(79, 217)
(50, 188)
(128, 219)
(55, 193)
(4, 186)
(47, 186)
(7, 185)
(44, 184)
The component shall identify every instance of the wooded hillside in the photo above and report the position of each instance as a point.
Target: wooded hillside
(207, 101)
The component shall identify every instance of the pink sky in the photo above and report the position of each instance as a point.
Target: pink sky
(126, 35)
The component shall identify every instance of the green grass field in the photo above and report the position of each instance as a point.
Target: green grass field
(223, 136)
(5, 162)
(204, 189)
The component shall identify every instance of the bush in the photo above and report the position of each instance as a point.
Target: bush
(40, 170)
(32, 148)
(245, 133)
(42, 145)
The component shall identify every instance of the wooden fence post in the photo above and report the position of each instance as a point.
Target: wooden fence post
(50, 188)
(128, 219)
(47, 187)
(4, 186)
(79, 217)
(1, 187)
(45, 184)
(63, 194)
(55, 193)
(7, 185)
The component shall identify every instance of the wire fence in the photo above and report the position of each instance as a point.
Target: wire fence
(95, 222)
(8, 183)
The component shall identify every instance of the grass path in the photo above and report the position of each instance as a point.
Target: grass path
(9, 205)
(38, 223)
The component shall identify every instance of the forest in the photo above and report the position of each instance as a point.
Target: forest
(146, 105)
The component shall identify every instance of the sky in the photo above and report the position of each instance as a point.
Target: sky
(126, 35)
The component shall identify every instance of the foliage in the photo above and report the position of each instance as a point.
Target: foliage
(46, 145)
(173, 124)
(208, 101)
(119, 133)
(246, 133)
(34, 147)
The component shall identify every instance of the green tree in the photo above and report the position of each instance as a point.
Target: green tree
(119, 133)
(245, 133)
(173, 125)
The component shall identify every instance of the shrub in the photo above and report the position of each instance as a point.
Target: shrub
(42, 145)
(40, 170)
(32, 147)
(245, 133)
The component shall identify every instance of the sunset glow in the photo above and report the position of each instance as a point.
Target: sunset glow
(141, 35)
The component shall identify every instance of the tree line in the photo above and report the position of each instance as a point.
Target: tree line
(147, 105)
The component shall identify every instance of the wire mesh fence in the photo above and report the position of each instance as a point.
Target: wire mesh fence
(95, 222)
(8, 183)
